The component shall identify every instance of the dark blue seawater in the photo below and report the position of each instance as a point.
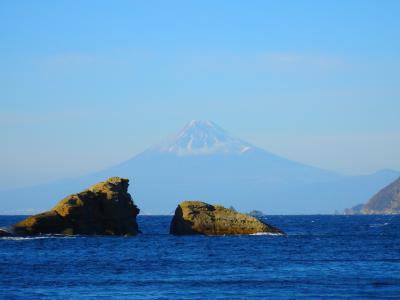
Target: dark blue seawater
(350, 257)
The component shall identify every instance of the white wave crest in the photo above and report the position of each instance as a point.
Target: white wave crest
(379, 225)
(28, 238)
(267, 233)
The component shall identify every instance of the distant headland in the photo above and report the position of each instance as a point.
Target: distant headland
(386, 201)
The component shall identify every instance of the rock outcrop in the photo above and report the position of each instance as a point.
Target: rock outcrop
(4, 233)
(386, 201)
(105, 208)
(195, 217)
(256, 213)
(355, 210)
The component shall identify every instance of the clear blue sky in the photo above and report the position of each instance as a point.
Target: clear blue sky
(86, 84)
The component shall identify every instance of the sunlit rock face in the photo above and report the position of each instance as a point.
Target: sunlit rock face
(195, 217)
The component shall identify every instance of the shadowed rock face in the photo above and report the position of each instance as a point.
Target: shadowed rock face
(4, 233)
(105, 208)
(195, 217)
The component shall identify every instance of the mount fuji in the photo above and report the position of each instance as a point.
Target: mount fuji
(203, 138)
(204, 162)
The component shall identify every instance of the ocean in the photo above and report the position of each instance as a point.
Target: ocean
(321, 257)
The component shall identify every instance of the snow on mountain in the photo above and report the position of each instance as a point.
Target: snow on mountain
(203, 138)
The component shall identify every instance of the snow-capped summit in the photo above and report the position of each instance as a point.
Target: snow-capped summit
(203, 138)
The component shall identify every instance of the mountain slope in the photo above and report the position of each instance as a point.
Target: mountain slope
(386, 201)
(204, 162)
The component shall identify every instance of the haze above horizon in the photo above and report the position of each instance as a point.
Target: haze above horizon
(87, 85)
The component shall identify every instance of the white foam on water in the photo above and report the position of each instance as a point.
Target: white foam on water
(22, 238)
(379, 225)
(266, 233)
(28, 238)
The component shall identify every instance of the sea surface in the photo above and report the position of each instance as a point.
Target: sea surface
(321, 257)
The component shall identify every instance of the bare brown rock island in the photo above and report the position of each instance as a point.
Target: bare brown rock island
(105, 208)
(195, 217)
